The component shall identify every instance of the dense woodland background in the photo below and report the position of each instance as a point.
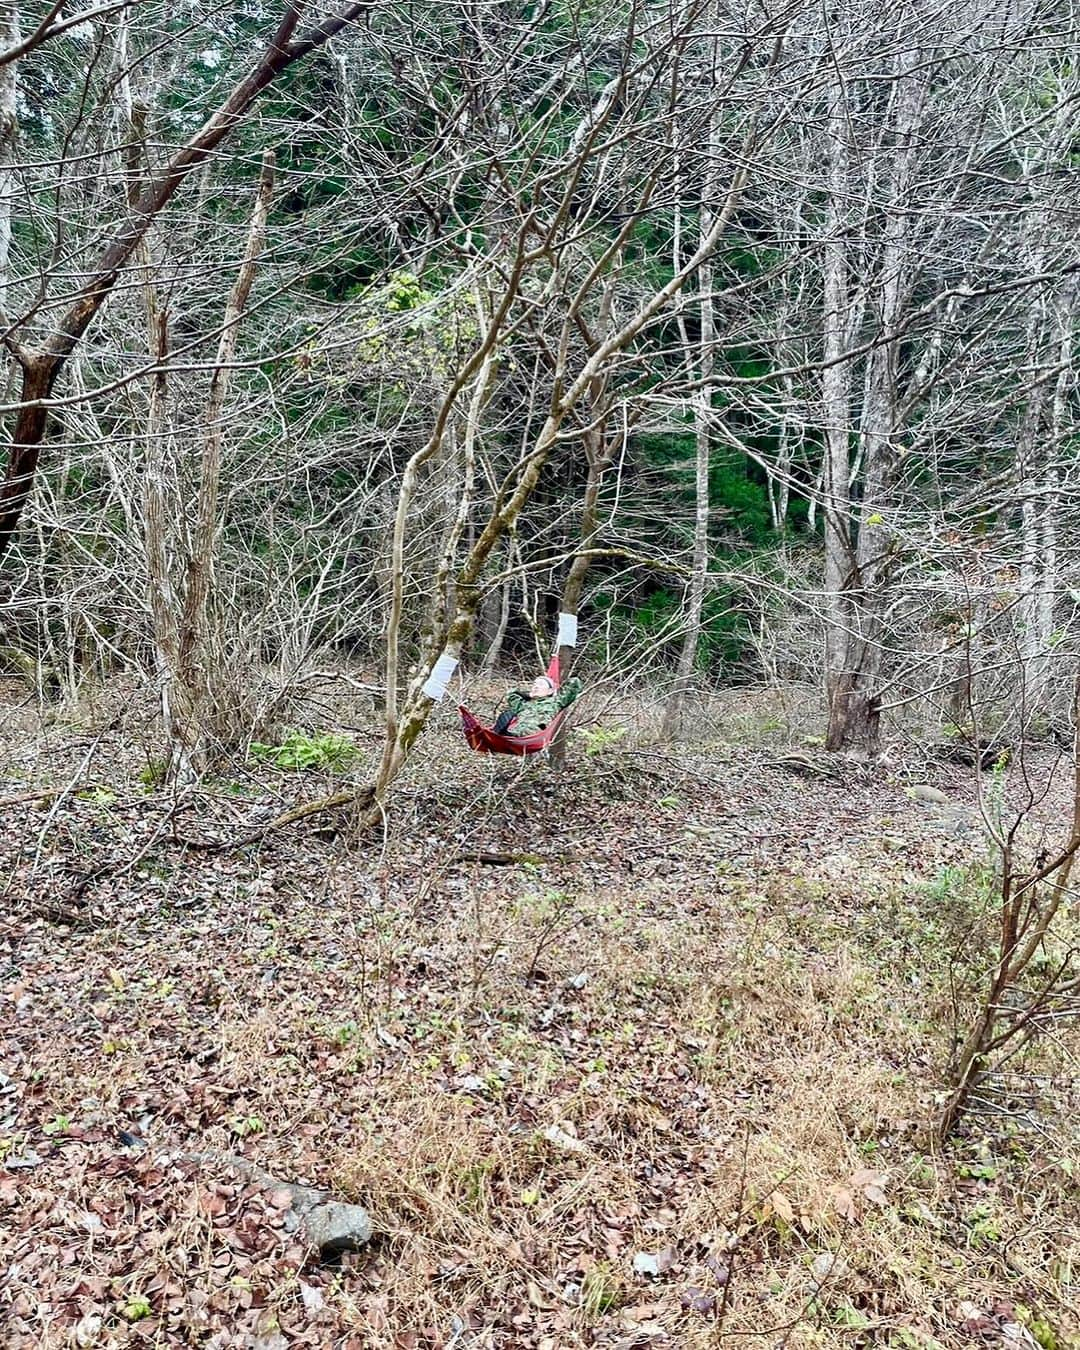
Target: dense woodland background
(338, 337)
(748, 335)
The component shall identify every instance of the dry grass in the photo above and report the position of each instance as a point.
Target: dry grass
(657, 1044)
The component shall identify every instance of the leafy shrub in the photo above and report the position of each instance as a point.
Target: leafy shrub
(598, 739)
(299, 750)
(152, 774)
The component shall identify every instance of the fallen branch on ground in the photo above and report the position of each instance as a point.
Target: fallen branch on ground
(359, 797)
(45, 796)
(806, 765)
(496, 858)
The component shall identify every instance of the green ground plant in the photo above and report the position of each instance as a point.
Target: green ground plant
(302, 750)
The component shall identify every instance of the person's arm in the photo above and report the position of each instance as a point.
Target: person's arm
(568, 693)
(515, 701)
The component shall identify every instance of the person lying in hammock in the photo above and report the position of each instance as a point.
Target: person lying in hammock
(532, 709)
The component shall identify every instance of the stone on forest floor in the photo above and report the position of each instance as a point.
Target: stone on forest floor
(923, 792)
(827, 1266)
(334, 1227)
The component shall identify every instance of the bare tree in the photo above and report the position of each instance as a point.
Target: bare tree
(43, 354)
(704, 417)
(854, 671)
(181, 603)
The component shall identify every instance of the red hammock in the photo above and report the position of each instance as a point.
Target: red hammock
(488, 741)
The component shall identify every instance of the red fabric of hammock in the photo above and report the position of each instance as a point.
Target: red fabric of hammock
(487, 741)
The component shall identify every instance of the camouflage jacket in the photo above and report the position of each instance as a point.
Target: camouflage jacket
(534, 714)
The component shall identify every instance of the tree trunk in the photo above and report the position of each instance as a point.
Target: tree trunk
(1059, 432)
(601, 454)
(836, 415)
(854, 711)
(703, 415)
(1038, 445)
(9, 129)
(38, 376)
(158, 521)
(192, 694)
(496, 620)
(684, 673)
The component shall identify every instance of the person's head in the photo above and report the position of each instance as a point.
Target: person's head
(541, 687)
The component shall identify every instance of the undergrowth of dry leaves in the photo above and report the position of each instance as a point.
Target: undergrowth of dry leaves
(648, 1054)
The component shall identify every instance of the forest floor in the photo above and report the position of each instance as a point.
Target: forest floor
(646, 1054)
